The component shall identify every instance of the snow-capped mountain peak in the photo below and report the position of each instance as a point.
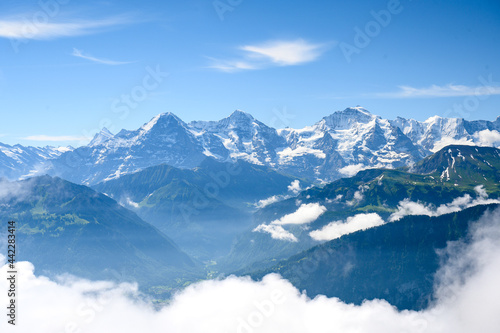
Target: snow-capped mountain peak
(162, 120)
(347, 118)
(339, 144)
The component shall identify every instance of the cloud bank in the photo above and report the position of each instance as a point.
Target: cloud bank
(468, 301)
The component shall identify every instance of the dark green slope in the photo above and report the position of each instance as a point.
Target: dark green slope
(202, 209)
(69, 228)
(396, 261)
(463, 164)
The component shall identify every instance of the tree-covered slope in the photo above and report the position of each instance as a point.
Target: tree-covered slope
(396, 261)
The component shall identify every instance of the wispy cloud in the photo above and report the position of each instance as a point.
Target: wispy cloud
(19, 27)
(434, 91)
(337, 229)
(272, 53)
(80, 54)
(55, 138)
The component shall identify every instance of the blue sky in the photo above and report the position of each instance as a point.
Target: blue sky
(68, 68)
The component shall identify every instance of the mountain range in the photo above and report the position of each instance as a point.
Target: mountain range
(337, 145)
(451, 179)
(173, 202)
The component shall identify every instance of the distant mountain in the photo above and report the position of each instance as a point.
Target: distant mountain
(437, 132)
(338, 145)
(396, 261)
(202, 209)
(380, 191)
(20, 162)
(164, 139)
(67, 228)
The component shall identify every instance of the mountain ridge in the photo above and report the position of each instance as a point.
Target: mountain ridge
(334, 146)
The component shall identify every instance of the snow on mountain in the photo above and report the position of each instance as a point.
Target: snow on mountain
(350, 137)
(242, 137)
(18, 162)
(164, 139)
(336, 146)
(437, 132)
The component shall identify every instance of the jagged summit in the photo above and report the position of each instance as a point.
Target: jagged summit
(237, 114)
(346, 118)
(336, 146)
(162, 119)
(101, 137)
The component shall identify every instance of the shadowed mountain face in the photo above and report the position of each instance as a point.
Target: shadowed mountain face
(68, 228)
(201, 209)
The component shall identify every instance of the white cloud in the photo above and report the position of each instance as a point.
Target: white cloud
(488, 138)
(276, 232)
(339, 228)
(271, 53)
(351, 170)
(407, 207)
(21, 27)
(80, 54)
(481, 191)
(295, 187)
(306, 213)
(468, 301)
(446, 141)
(128, 202)
(358, 196)
(56, 138)
(285, 53)
(449, 90)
